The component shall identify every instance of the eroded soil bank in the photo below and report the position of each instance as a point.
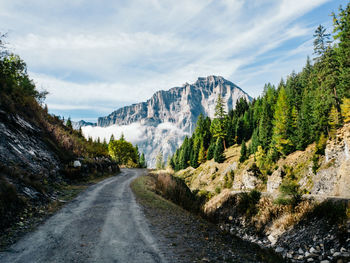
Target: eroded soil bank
(186, 237)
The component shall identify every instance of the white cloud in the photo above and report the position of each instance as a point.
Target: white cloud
(133, 132)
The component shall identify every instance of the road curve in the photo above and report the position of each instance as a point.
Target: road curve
(103, 224)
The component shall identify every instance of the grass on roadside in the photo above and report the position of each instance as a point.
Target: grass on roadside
(143, 188)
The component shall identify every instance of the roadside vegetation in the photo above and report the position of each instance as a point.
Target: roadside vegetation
(124, 153)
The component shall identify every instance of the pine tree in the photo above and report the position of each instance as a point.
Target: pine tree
(184, 156)
(219, 151)
(142, 161)
(195, 153)
(220, 108)
(211, 150)
(255, 141)
(293, 128)
(345, 110)
(243, 156)
(69, 124)
(201, 154)
(266, 116)
(112, 138)
(341, 24)
(304, 123)
(321, 41)
(280, 138)
(240, 131)
(218, 125)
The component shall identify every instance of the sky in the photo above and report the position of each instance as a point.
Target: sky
(95, 56)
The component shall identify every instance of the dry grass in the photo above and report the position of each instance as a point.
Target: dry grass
(175, 190)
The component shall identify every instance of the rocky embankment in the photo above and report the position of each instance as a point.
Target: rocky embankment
(313, 233)
(33, 167)
(317, 229)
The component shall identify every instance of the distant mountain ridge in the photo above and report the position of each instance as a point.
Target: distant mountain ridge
(164, 120)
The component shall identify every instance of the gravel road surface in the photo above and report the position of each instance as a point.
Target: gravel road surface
(103, 224)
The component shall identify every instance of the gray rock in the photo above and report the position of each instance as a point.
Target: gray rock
(312, 250)
(300, 251)
(279, 249)
(77, 164)
(336, 254)
(325, 261)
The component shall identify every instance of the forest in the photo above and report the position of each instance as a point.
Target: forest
(305, 108)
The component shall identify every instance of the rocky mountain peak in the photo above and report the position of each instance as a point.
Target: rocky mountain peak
(169, 115)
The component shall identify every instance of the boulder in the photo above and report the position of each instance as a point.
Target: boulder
(77, 164)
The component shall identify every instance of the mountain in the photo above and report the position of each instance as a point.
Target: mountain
(162, 122)
(78, 124)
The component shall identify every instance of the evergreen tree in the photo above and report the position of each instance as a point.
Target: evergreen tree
(255, 141)
(112, 138)
(201, 154)
(195, 153)
(342, 49)
(217, 127)
(240, 131)
(265, 126)
(321, 41)
(243, 156)
(142, 161)
(184, 156)
(280, 138)
(220, 108)
(293, 128)
(219, 151)
(211, 150)
(69, 124)
(304, 123)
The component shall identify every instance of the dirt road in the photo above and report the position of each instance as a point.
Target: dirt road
(103, 224)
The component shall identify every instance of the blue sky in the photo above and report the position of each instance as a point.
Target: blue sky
(95, 56)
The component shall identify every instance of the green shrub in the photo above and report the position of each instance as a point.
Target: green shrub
(228, 179)
(315, 163)
(290, 193)
(204, 194)
(218, 190)
(247, 202)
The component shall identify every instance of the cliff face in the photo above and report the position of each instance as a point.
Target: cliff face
(180, 105)
(168, 116)
(333, 177)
